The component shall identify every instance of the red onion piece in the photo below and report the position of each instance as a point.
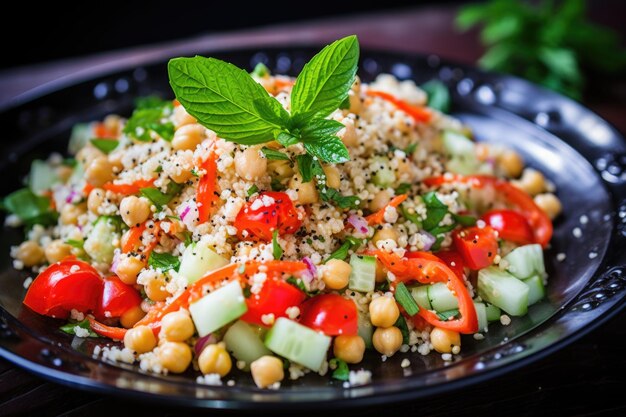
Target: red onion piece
(429, 241)
(185, 212)
(359, 223)
(203, 342)
(116, 261)
(70, 197)
(311, 270)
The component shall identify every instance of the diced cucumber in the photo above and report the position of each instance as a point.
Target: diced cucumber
(363, 275)
(441, 298)
(420, 295)
(365, 329)
(493, 312)
(218, 308)
(42, 177)
(81, 133)
(463, 165)
(481, 313)
(383, 174)
(99, 243)
(456, 144)
(526, 261)
(298, 343)
(245, 342)
(536, 290)
(197, 260)
(503, 290)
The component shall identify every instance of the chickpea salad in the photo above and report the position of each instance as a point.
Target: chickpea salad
(282, 225)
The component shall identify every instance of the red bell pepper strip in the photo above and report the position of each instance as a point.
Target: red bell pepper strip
(128, 189)
(206, 195)
(115, 333)
(537, 218)
(419, 114)
(428, 271)
(379, 216)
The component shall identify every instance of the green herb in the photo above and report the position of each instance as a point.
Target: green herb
(158, 197)
(70, 328)
(404, 329)
(342, 201)
(187, 237)
(31, 209)
(252, 190)
(297, 282)
(351, 243)
(147, 118)
(438, 95)
(403, 188)
(69, 162)
(305, 166)
(260, 70)
(342, 371)
(78, 244)
(159, 169)
(545, 41)
(404, 298)
(345, 105)
(274, 154)
(383, 286)
(410, 148)
(227, 100)
(276, 249)
(105, 145)
(435, 211)
(465, 220)
(276, 185)
(412, 217)
(195, 173)
(164, 261)
(447, 315)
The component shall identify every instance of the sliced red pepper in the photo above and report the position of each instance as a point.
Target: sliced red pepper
(275, 297)
(115, 333)
(419, 114)
(379, 216)
(513, 196)
(453, 260)
(206, 194)
(260, 221)
(478, 246)
(330, 314)
(128, 189)
(133, 243)
(428, 271)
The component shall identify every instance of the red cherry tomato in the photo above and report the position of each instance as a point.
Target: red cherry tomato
(63, 286)
(511, 226)
(331, 314)
(117, 298)
(477, 246)
(269, 211)
(275, 297)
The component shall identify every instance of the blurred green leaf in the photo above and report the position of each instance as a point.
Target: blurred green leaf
(562, 62)
(471, 15)
(501, 29)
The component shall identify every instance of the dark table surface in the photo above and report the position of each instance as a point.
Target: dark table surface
(584, 379)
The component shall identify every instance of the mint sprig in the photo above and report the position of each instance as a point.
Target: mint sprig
(227, 100)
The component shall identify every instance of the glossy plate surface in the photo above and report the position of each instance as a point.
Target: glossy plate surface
(579, 152)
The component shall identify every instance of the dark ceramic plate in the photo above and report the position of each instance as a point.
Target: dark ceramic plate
(578, 151)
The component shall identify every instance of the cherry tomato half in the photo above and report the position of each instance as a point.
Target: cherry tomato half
(275, 297)
(269, 211)
(117, 298)
(511, 226)
(63, 286)
(331, 314)
(477, 246)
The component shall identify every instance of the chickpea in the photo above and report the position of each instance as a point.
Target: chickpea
(267, 370)
(215, 360)
(385, 234)
(140, 339)
(333, 177)
(88, 154)
(349, 348)
(99, 171)
(128, 268)
(348, 133)
(355, 102)
(307, 193)
(281, 169)
(131, 316)
(134, 210)
(113, 124)
(177, 326)
(64, 172)
(30, 253)
(71, 212)
(384, 311)
(380, 200)
(532, 181)
(174, 356)
(444, 340)
(387, 340)
(188, 136)
(511, 163)
(249, 164)
(549, 203)
(95, 200)
(336, 274)
(181, 117)
(57, 250)
(155, 290)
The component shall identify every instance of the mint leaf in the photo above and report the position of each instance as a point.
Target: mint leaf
(342, 201)
(78, 244)
(274, 154)
(286, 139)
(159, 198)
(277, 251)
(105, 145)
(305, 166)
(341, 372)
(226, 99)
(30, 208)
(148, 117)
(327, 148)
(164, 261)
(342, 252)
(403, 188)
(438, 96)
(260, 70)
(325, 81)
(70, 328)
(404, 329)
(153, 102)
(465, 220)
(435, 211)
(412, 217)
(252, 190)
